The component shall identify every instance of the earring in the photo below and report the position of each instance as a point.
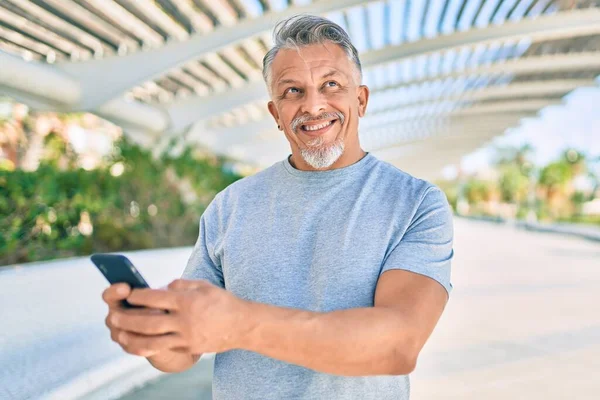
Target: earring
(279, 127)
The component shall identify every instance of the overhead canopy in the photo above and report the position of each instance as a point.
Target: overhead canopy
(446, 76)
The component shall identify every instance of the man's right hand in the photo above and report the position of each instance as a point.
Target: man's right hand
(175, 360)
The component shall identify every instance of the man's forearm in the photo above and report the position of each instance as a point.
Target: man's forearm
(353, 342)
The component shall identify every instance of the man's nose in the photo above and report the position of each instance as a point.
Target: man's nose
(314, 103)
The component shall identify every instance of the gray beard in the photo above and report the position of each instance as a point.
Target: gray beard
(318, 156)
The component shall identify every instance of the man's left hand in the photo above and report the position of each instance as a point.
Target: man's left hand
(201, 318)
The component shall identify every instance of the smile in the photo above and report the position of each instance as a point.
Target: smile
(318, 128)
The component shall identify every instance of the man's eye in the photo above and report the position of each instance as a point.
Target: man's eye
(293, 90)
(331, 83)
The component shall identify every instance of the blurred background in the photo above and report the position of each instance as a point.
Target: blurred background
(121, 119)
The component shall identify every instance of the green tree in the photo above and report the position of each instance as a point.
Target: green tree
(556, 183)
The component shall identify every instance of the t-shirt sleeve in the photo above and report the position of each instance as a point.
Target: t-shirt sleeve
(203, 264)
(427, 245)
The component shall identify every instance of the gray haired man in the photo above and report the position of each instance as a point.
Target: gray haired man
(322, 276)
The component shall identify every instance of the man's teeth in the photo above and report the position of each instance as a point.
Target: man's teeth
(317, 127)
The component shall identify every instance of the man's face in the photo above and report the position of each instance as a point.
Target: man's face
(317, 101)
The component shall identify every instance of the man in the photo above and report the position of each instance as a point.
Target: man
(320, 277)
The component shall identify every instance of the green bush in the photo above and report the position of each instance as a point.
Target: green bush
(61, 212)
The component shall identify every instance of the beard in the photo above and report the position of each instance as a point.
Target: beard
(319, 155)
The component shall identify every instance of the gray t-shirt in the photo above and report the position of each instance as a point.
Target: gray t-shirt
(317, 240)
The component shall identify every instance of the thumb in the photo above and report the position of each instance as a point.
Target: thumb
(116, 293)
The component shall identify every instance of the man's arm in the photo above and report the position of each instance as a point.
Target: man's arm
(381, 340)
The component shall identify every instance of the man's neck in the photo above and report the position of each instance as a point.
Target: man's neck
(348, 158)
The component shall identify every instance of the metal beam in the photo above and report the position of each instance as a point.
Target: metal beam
(443, 138)
(44, 88)
(421, 159)
(135, 115)
(538, 64)
(424, 160)
(500, 107)
(105, 79)
(540, 89)
(562, 25)
(424, 151)
(263, 152)
(225, 137)
(182, 114)
(185, 112)
(549, 63)
(419, 128)
(419, 131)
(32, 79)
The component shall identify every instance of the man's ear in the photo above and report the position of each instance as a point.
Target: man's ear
(363, 99)
(273, 111)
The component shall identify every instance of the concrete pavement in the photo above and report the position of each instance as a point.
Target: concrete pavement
(53, 341)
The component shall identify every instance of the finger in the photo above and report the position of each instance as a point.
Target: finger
(153, 298)
(108, 321)
(184, 284)
(142, 311)
(147, 346)
(115, 293)
(145, 324)
(130, 311)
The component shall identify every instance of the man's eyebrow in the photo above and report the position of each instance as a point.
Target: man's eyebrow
(286, 81)
(330, 73)
(289, 80)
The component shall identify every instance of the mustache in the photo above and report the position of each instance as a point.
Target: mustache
(298, 121)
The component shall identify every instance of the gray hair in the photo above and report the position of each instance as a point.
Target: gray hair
(304, 30)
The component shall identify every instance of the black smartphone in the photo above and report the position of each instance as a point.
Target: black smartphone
(117, 268)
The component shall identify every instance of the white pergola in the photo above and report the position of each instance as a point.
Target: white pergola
(446, 76)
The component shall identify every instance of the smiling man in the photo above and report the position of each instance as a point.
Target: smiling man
(317, 97)
(322, 276)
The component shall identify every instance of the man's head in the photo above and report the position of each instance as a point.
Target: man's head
(313, 75)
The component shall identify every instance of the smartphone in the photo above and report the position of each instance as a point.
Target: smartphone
(117, 268)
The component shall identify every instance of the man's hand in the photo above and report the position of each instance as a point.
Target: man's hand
(201, 318)
(113, 297)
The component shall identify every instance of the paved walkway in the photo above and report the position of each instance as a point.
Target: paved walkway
(52, 324)
(523, 322)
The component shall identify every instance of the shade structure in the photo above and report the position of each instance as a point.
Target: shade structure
(438, 69)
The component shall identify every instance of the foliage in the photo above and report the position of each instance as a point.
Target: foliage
(59, 210)
(514, 184)
(555, 175)
(519, 189)
(477, 190)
